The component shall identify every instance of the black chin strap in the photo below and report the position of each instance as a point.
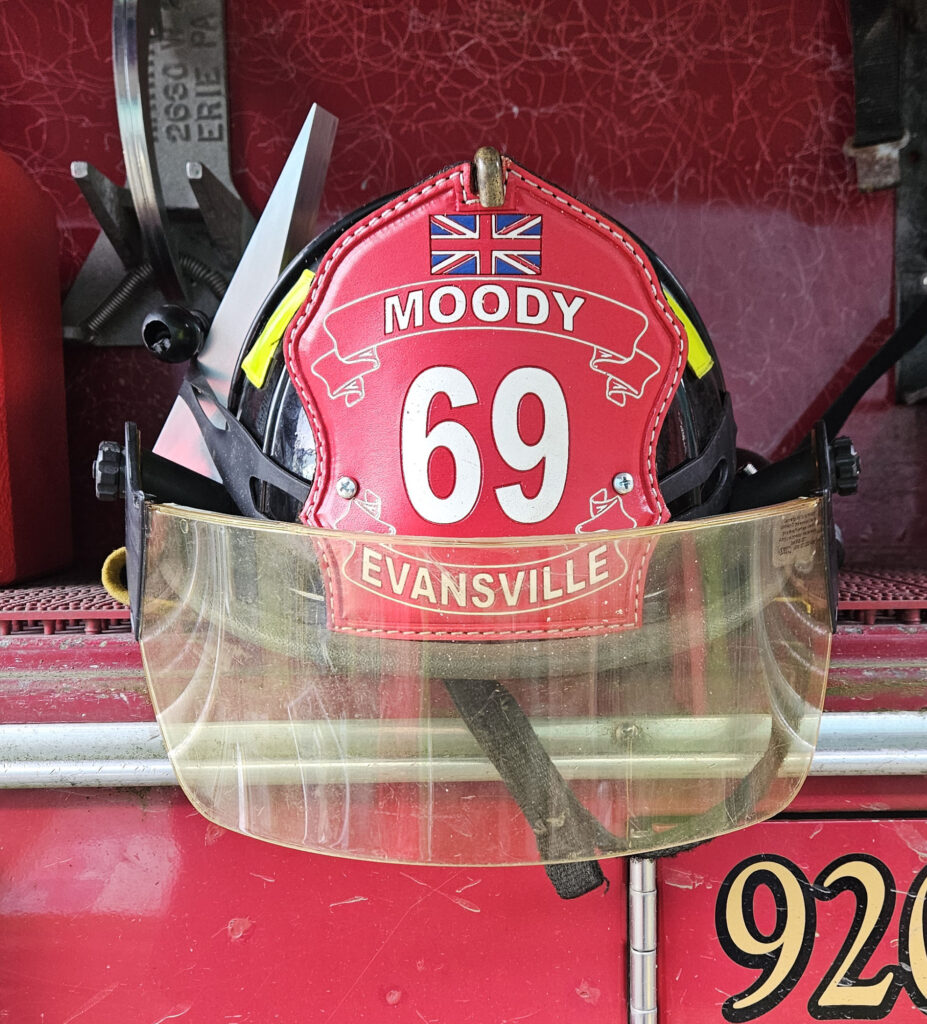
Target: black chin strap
(562, 826)
(903, 339)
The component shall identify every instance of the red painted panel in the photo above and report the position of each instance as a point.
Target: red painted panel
(864, 794)
(35, 535)
(878, 668)
(128, 906)
(72, 678)
(127, 879)
(697, 977)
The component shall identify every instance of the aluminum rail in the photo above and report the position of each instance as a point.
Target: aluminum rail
(133, 753)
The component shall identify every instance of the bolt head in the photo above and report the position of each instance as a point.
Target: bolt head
(346, 488)
(623, 483)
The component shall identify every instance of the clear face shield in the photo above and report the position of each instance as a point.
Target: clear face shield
(308, 695)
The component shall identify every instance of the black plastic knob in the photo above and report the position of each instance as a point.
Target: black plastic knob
(845, 460)
(174, 334)
(109, 471)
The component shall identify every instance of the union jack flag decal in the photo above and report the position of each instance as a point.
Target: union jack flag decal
(486, 243)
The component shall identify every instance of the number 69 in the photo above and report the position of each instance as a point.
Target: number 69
(417, 443)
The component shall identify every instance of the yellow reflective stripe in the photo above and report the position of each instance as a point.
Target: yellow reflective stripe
(257, 361)
(699, 357)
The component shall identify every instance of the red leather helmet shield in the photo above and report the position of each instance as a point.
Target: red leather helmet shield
(474, 372)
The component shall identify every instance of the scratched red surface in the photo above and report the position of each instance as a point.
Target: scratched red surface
(715, 130)
(160, 915)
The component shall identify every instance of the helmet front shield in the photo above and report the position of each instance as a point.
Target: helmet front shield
(485, 702)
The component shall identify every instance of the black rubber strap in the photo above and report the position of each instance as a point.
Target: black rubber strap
(575, 878)
(563, 828)
(906, 337)
(877, 71)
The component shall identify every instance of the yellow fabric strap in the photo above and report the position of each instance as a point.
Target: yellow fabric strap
(113, 576)
(257, 361)
(699, 357)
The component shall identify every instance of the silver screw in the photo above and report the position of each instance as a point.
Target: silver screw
(346, 488)
(623, 483)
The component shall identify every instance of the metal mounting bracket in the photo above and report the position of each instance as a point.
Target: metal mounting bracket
(179, 228)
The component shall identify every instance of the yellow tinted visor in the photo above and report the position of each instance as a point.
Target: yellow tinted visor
(488, 702)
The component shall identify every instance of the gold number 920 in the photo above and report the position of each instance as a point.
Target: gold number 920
(781, 954)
